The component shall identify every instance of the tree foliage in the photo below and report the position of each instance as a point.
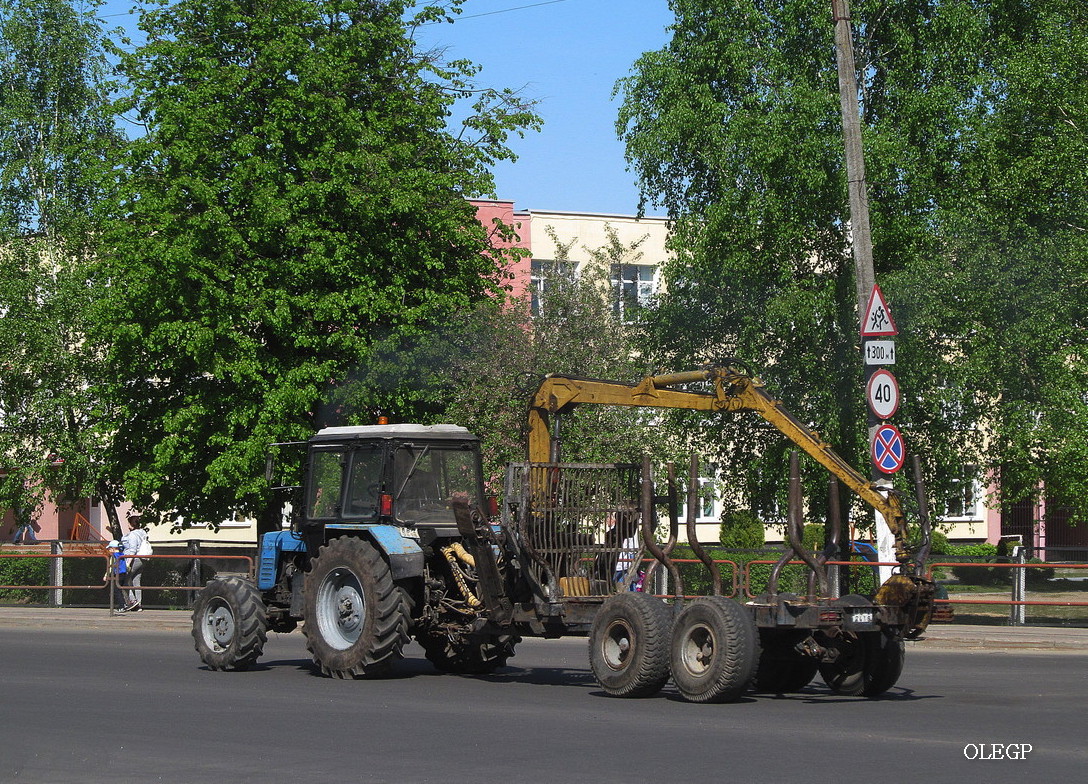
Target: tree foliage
(56, 140)
(974, 127)
(291, 225)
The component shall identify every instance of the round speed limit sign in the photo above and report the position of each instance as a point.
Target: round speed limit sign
(882, 394)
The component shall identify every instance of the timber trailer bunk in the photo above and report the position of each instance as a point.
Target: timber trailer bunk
(714, 648)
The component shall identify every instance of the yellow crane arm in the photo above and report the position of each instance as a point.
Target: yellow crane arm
(733, 390)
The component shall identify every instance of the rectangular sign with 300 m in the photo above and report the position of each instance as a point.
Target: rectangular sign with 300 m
(879, 352)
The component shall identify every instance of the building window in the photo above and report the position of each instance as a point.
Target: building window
(632, 287)
(709, 504)
(965, 496)
(544, 273)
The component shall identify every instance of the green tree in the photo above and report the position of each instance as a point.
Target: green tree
(57, 135)
(741, 529)
(973, 120)
(290, 227)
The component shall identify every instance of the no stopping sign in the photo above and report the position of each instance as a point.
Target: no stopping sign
(888, 449)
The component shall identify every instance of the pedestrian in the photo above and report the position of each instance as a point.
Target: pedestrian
(24, 526)
(116, 572)
(136, 547)
(628, 557)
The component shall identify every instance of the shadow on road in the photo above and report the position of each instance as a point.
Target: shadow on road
(814, 694)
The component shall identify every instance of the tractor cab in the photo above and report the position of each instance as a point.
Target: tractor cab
(402, 475)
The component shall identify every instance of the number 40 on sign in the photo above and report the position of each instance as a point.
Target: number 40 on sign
(882, 394)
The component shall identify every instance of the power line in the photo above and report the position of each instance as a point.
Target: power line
(508, 10)
(458, 18)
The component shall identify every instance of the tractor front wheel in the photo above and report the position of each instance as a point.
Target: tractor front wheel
(229, 624)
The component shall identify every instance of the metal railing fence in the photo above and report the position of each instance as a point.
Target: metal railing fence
(44, 576)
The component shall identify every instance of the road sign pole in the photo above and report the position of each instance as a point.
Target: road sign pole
(861, 239)
(885, 539)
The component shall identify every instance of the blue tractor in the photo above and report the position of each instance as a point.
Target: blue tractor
(391, 540)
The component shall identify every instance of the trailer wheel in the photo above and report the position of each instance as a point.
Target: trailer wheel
(782, 670)
(885, 665)
(628, 645)
(846, 675)
(714, 650)
(468, 657)
(229, 624)
(356, 618)
(868, 666)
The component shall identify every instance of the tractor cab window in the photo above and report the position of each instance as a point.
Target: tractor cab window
(326, 481)
(426, 477)
(364, 482)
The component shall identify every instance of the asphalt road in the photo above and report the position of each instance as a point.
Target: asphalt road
(110, 705)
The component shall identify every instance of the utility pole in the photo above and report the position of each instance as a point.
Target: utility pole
(861, 239)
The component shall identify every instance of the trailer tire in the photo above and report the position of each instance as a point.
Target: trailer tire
(229, 624)
(781, 669)
(468, 657)
(714, 650)
(846, 675)
(356, 618)
(886, 656)
(629, 645)
(869, 665)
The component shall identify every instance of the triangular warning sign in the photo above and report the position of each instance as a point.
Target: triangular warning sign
(878, 320)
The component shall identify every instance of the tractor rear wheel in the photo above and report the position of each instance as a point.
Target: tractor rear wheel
(229, 624)
(356, 618)
(714, 650)
(629, 645)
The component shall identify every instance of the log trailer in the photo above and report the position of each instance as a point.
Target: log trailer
(391, 539)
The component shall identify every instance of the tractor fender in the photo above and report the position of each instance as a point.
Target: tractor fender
(403, 553)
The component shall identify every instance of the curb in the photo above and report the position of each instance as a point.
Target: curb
(1027, 638)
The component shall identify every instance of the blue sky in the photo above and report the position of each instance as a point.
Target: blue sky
(567, 55)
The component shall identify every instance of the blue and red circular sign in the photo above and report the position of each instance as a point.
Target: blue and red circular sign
(888, 449)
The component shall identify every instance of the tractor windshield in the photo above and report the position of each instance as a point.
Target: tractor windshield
(426, 477)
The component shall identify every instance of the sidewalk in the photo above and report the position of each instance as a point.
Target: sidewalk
(65, 618)
(939, 636)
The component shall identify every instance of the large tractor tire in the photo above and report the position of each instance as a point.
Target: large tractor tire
(715, 650)
(356, 618)
(474, 656)
(868, 666)
(229, 624)
(629, 645)
(782, 669)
